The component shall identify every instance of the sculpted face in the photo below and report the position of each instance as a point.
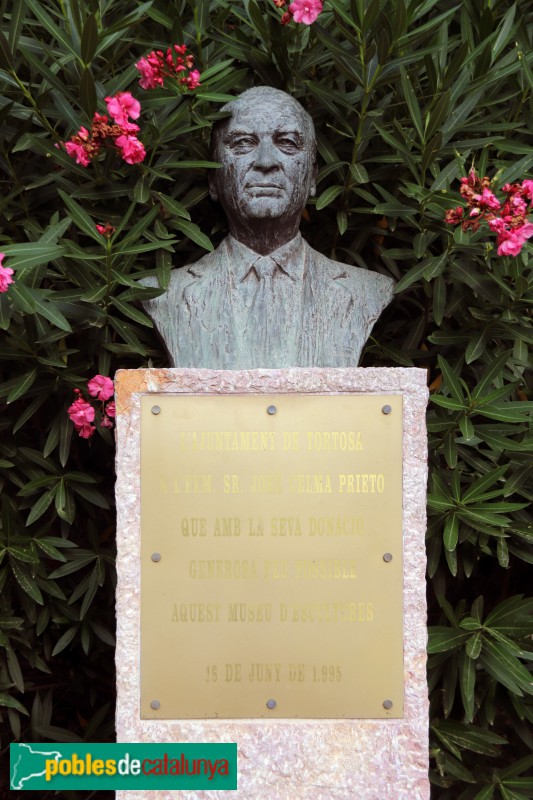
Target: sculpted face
(267, 152)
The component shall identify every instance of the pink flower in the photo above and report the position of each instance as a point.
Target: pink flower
(132, 150)
(106, 423)
(78, 152)
(484, 202)
(111, 409)
(106, 230)
(151, 76)
(193, 79)
(497, 224)
(305, 11)
(100, 387)
(81, 413)
(127, 128)
(510, 243)
(454, 215)
(5, 275)
(86, 431)
(122, 106)
(527, 189)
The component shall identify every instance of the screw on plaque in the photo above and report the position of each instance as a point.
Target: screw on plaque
(386, 409)
(271, 410)
(387, 557)
(155, 704)
(271, 704)
(388, 704)
(156, 556)
(156, 409)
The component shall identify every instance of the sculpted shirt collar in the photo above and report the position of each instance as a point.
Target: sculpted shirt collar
(290, 258)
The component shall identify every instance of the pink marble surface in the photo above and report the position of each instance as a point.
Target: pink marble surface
(286, 759)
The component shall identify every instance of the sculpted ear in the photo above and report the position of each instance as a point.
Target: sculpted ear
(312, 180)
(213, 185)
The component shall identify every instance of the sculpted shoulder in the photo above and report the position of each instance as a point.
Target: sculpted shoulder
(181, 277)
(355, 279)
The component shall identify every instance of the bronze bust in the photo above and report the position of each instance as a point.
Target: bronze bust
(264, 297)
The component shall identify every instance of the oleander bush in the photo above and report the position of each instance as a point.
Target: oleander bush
(407, 98)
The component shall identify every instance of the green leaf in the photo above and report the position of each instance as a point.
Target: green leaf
(342, 222)
(131, 312)
(14, 668)
(88, 92)
(448, 402)
(141, 191)
(26, 582)
(416, 272)
(6, 56)
(194, 233)
(48, 310)
(359, 173)
(452, 382)
(190, 165)
(477, 344)
(49, 549)
(173, 206)
(494, 371)
(505, 667)
(507, 412)
(29, 412)
(328, 196)
(467, 685)
(22, 385)
(77, 561)
(480, 486)
(505, 33)
(412, 103)
(80, 217)
(48, 23)
(485, 794)
(89, 39)
(95, 294)
(397, 209)
(31, 254)
(451, 532)
(65, 640)
(11, 702)
(442, 639)
(468, 737)
(439, 503)
(41, 506)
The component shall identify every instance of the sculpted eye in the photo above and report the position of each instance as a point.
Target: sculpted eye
(241, 143)
(289, 143)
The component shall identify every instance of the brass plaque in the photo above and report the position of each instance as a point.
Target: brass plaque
(271, 575)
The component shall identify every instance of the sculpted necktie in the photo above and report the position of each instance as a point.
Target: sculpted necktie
(263, 310)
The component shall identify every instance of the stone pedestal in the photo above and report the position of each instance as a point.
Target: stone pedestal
(285, 759)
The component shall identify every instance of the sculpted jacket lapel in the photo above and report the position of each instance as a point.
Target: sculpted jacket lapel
(208, 315)
(327, 302)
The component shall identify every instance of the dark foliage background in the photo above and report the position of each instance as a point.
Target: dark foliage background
(406, 97)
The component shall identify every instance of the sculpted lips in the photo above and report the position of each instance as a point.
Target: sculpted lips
(264, 189)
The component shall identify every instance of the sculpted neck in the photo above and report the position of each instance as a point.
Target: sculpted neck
(263, 236)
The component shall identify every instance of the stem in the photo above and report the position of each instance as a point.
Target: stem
(29, 97)
(108, 260)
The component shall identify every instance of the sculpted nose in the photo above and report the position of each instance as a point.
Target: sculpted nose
(266, 155)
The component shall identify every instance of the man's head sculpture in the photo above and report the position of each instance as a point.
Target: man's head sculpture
(267, 149)
(264, 297)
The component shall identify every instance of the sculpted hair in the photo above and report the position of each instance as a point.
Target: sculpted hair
(263, 96)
